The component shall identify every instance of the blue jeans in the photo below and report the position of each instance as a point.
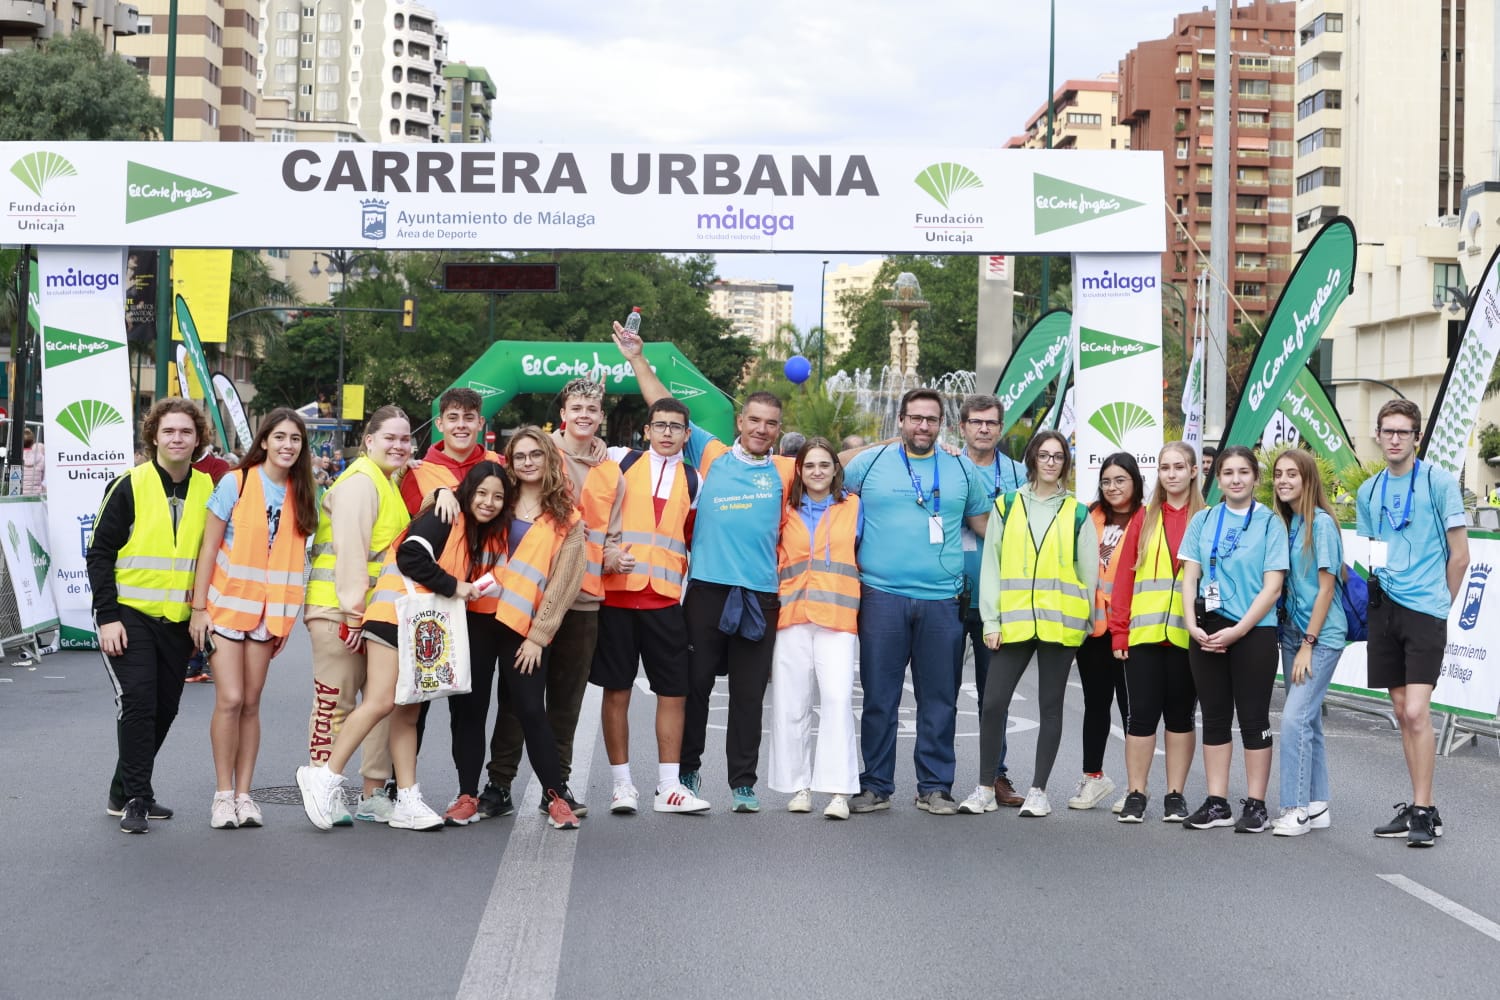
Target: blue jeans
(894, 631)
(1304, 756)
(974, 626)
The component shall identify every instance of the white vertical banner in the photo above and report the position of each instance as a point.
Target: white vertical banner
(1117, 363)
(87, 408)
(27, 562)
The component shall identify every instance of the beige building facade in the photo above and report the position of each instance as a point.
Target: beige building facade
(837, 283)
(218, 55)
(28, 23)
(755, 309)
(1085, 115)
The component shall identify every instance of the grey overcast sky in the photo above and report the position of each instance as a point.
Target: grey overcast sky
(785, 72)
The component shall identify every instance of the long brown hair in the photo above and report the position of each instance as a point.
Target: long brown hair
(557, 493)
(835, 488)
(301, 492)
(1159, 495)
(479, 537)
(1313, 498)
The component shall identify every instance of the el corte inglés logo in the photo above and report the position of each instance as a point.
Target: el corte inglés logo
(1060, 204)
(150, 192)
(59, 347)
(1096, 347)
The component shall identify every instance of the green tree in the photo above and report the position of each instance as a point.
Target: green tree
(252, 286)
(74, 90)
(305, 364)
(950, 283)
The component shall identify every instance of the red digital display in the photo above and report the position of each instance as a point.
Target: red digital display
(500, 277)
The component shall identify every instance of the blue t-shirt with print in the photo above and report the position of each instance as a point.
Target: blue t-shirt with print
(227, 494)
(739, 516)
(1004, 475)
(1416, 562)
(896, 554)
(1302, 580)
(1246, 555)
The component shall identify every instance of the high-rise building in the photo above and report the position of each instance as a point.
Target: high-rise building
(841, 280)
(756, 309)
(1167, 97)
(27, 23)
(1085, 115)
(378, 63)
(218, 43)
(470, 94)
(1320, 117)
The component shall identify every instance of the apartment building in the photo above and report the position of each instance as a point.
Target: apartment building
(218, 55)
(1085, 115)
(1319, 170)
(837, 283)
(756, 309)
(27, 23)
(471, 93)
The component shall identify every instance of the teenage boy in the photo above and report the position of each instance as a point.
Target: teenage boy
(460, 421)
(642, 620)
(141, 562)
(1413, 514)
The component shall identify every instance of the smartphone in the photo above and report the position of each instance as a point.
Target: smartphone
(209, 646)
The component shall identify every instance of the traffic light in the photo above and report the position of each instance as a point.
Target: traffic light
(408, 314)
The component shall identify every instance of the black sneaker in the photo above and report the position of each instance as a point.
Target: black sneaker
(1437, 823)
(579, 809)
(1420, 833)
(135, 819)
(1213, 812)
(1399, 824)
(1134, 809)
(495, 801)
(1253, 818)
(1174, 808)
(154, 809)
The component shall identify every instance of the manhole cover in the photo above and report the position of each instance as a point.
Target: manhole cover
(291, 795)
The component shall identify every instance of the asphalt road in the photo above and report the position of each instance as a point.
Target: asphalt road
(775, 904)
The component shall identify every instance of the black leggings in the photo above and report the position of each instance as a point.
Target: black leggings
(1237, 682)
(1103, 681)
(1053, 662)
(525, 694)
(1161, 686)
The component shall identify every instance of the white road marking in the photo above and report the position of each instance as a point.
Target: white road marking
(517, 949)
(1438, 901)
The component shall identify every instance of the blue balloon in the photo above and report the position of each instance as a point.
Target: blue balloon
(797, 369)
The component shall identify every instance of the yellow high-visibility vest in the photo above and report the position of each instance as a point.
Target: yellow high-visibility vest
(154, 568)
(389, 523)
(1041, 595)
(1156, 612)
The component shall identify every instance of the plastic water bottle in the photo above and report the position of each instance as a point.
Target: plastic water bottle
(633, 324)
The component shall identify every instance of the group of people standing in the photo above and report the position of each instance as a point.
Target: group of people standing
(698, 558)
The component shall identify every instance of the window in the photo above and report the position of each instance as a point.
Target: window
(1307, 70)
(1205, 88)
(328, 73)
(1205, 175)
(286, 20)
(1074, 118)
(284, 73)
(1250, 203)
(1321, 177)
(1253, 176)
(1249, 289)
(1255, 88)
(307, 38)
(143, 25)
(1182, 149)
(1255, 62)
(309, 11)
(1445, 276)
(1279, 206)
(1205, 60)
(355, 50)
(215, 34)
(1281, 147)
(1250, 233)
(1323, 138)
(1184, 62)
(358, 23)
(330, 48)
(286, 47)
(1252, 119)
(283, 135)
(1249, 261)
(1184, 91)
(305, 90)
(328, 100)
(1330, 99)
(331, 22)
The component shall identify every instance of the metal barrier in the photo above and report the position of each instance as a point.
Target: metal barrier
(14, 640)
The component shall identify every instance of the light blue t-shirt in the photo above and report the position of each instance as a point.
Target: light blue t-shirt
(900, 559)
(1302, 579)
(1416, 564)
(1004, 475)
(1246, 555)
(227, 494)
(739, 517)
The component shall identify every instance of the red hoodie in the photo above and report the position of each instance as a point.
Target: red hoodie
(1174, 521)
(411, 489)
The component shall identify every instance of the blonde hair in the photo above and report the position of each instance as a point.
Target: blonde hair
(1159, 495)
(557, 491)
(1313, 498)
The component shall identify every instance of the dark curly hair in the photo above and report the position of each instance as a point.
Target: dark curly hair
(173, 404)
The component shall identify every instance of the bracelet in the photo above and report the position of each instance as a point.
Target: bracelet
(198, 609)
(1310, 639)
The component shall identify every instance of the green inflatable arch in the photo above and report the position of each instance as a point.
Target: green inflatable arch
(511, 368)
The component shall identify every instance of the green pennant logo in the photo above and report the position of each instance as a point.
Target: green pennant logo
(41, 562)
(1096, 347)
(59, 347)
(150, 192)
(1060, 204)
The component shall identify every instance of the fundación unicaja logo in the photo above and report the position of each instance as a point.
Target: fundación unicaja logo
(1117, 420)
(150, 192)
(944, 180)
(85, 416)
(35, 170)
(1060, 204)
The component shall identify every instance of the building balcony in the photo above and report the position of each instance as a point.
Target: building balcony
(1252, 303)
(18, 15)
(1248, 241)
(1249, 213)
(1251, 182)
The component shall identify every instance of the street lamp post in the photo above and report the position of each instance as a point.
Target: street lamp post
(347, 266)
(822, 330)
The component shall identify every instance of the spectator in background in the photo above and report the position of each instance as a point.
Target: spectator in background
(791, 443)
(1206, 466)
(34, 469)
(854, 441)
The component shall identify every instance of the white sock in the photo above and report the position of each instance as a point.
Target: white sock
(621, 773)
(222, 794)
(242, 797)
(667, 775)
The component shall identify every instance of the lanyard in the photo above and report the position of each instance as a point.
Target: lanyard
(1410, 495)
(916, 482)
(1213, 557)
(998, 489)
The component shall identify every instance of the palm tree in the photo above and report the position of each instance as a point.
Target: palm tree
(251, 285)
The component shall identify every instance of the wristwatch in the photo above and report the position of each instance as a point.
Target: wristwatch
(1310, 639)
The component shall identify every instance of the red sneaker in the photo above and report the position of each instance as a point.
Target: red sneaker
(559, 813)
(462, 811)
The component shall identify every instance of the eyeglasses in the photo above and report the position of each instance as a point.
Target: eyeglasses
(1115, 484)
(665, 427)
(527, 457)
(984, 425)
(1395, 433)
(1050, 457)
(922, 420)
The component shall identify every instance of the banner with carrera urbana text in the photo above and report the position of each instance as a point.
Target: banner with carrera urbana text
(86, 407)
(1035, 364)
(1469, 370)
(1117, 365)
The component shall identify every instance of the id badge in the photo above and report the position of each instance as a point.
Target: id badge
(1211, 600)
(1378, 553)
(935, 530)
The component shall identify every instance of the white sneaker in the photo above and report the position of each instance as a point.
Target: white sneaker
(409, 812)
(678, 799)
(1036, 803)
(625, 800)
(1317, 815)
(1292, 822)
(838, 808)
(377, 808)
(801, 802)
(1091, 791)
(221, 814)
(247, 812)
(341, 814)
(980, 800)
(320, 788)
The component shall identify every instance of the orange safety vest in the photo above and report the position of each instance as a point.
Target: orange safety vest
(819, 575)
(454, 559)
(259, 579)
(1104, 592)
(596, 501)
(660, 549)
(524, 576)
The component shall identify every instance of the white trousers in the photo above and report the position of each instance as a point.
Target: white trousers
(807, 655)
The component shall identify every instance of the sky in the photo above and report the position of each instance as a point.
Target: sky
(841, 73)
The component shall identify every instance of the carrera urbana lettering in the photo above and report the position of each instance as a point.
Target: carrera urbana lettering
(1265, 379)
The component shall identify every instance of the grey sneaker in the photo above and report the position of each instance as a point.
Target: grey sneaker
(937, 802)
(867, 802)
